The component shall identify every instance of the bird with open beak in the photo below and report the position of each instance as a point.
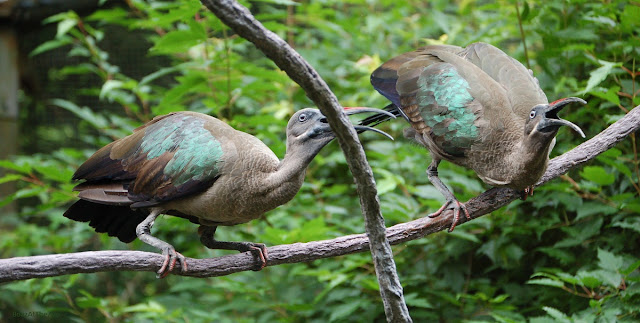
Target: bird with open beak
(194, 166)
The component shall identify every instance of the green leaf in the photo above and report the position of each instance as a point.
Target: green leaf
(18, 166)
(556, 314)
(612, 118)
(150, 307)
(499, 299)
(564, 256)
(51, 44)
(29, 192)
(54, 171)
(631, 268)
(589, 279)
(344, 310)
(88, 300)
(613, 279)
(546, 282)
(178, 41)
(108, 86)
(10, 178)
(609, 261)
(84, 113)
(159, 73)
(67, 15)
(568, 278)
(630, 17)
(386, 181)
(66, 25)
(600, 74)
(597, 175)
(525, 11)
(594, 208)
(414, 300)
(629, 223)
(465, 235)
(610, 94)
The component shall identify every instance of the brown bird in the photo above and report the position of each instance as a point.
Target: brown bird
(197, 167)
(475, 107)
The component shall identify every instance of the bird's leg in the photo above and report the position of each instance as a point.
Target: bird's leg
(432, 174)
(259, 250)
(528, 191)
(143, 231)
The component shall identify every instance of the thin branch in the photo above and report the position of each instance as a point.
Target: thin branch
(21, 268)
(522, 35)
(240, 20)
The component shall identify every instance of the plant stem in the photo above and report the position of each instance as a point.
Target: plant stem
(524, 40)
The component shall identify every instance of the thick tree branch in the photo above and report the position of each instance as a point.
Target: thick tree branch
(244, 24)
(20, 268)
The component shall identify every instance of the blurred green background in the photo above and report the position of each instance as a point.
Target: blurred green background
(92, 74)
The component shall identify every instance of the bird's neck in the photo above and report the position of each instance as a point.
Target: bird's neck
(292, 168)
(531, 160)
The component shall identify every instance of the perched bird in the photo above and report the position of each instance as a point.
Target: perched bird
(475, 107)
(197, 167)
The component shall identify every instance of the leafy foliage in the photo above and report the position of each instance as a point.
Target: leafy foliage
(568, 254)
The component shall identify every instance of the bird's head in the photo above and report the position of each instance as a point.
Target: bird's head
(544, 122)
(310, 125)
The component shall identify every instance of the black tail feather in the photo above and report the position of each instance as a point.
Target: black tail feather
(116, 221)
(379, 118)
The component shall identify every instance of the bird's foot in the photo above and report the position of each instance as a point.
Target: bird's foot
(528, 191)
(457, 207)
(169, 263)
(259, 250)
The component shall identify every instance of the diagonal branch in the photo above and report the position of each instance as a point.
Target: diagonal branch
(244, 24)
(20, 268)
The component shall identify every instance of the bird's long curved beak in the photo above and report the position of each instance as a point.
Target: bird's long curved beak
(551, 119)
(363, 128)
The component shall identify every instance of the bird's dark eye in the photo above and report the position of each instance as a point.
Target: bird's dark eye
(302, 117)
(532, 114)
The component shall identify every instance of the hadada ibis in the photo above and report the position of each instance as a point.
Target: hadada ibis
(194, 166)
(475, 107)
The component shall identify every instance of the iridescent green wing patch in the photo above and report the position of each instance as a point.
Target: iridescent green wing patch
(443, 98)
(182, 158)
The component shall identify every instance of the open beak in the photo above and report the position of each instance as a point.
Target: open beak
(551, 119)
(360, 128)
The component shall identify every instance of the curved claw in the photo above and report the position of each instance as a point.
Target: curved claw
(528, 191)
(260, 251)
(456, 212)
(169, 263)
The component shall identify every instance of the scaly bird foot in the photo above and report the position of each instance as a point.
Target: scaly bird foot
(456, 212)
(260, 251)
(528, 191)
(171, 256)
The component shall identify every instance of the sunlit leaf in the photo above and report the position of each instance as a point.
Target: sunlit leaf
(609, 261)
(546, 282)
(556, 314)
(66, 25)
(600, 74)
